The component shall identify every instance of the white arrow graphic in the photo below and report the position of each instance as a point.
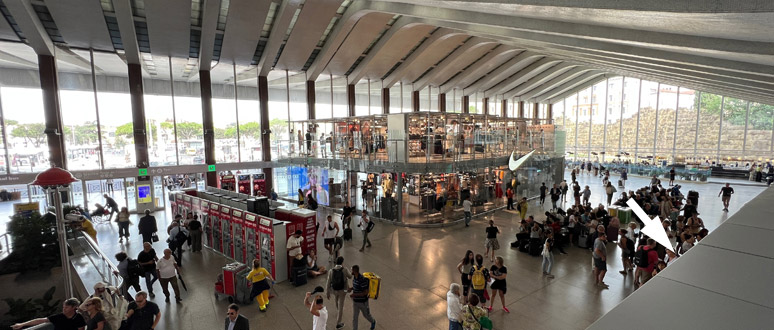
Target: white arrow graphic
(651, 227)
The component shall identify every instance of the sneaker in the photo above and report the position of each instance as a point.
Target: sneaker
(167, 299)
(120, 240)
(178, 299)
(373, 325)
(361, 250)
(506, 309)
(152, 295)
(340, 325)
(623, 272)
(549, 276)
(489, 308)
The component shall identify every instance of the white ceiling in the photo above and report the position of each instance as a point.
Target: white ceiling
(723, 47)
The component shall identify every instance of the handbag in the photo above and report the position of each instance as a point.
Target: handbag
(154, 237)
(545, 250)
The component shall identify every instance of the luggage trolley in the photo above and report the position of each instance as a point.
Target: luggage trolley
(232, 283)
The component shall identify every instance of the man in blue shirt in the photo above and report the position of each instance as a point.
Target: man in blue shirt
(359, 297)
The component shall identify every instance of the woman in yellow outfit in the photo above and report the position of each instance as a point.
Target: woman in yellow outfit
(259, 276)
(522, 207)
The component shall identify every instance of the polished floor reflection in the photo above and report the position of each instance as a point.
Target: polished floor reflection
(417, 266)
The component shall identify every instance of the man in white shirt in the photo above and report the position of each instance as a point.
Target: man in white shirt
(167, 268)
(454, 308)
(364, 222)
(295, 252)
(318, 310)
(466, 205)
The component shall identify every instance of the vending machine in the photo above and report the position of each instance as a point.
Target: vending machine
(228, 183)
(237, 232)
(308, 221)
(206, 223)
(196, 206)
(272, 235)
(217, 227)
(251, 237)
(243, 184)
(173, 202)
(259, 184)
(225, 227)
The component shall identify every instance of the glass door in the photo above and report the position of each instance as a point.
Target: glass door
(130, 196)
(158, 192)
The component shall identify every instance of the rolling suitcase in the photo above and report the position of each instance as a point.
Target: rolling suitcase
(347, 234)
(374, 284)
(535, 247)
(694, 197)
(620, 183)
(583, 239)
(612, 234)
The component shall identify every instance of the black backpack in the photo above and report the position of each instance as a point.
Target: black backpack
(370, 226)
(338, 281)
(641, 258)
(134, 268)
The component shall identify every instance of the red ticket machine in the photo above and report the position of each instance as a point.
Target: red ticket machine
(228, 235)
(186, 205)
(252, 245)
(259, 184)
(272, 237)
(204, 217)
(196, 206)
(237, 232)
(243, 185)
(174, 203)
(217, 227)
(309, 220)
(228, 183)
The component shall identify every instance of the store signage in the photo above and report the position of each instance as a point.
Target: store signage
(515, 164)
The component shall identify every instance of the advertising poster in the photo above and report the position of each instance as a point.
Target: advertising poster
(144, 194)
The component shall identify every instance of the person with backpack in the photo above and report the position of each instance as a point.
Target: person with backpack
(472, 314)
(366, 226)
(627, 250)
(147, 258)
(130, 271)
(645, 259)
(610, 190)
(543, 191)
(498, 271)
(478, 276)
(555, 193)
(359, 295)
(337, 284)
(178, 235)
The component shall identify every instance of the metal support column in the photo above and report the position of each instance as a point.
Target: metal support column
(465, 104)
(263, 103)
(415, 101)
(442, 102)
(52, 112)
(138, 115)
(385, 101)
(310, 100)
(485, 106)
(351, 100)
(674, 138)
(205, 86)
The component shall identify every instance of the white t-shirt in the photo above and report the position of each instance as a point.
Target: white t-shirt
(319, 321)
(327, 231)
(466, 205)
(363, 224)
(166, 267)
(293, 241)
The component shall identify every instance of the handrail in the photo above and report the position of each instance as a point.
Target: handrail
(5, 247)
(85, 247)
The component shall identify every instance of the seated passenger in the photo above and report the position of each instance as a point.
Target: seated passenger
(311, 264)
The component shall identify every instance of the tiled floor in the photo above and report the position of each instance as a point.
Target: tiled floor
(417, 265)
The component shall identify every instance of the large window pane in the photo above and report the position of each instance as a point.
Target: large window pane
(584, 116)
(709, 126)
(734, 116)
(159, 120)
(759, 130)
(376, 98)
(433, 98)
(340, 97)
(278, 113)
(647, 127)
(249, 111)
(224, 111)
(395, 99)
(571, 113)
(406, 97)
(188, 113)
(79, 113)
(686, 123)
(631, 96)
(424, 99)
(598, 102)
(322, 98)
(361, 99)
(666, 121)
(115, 111)
(613, 122)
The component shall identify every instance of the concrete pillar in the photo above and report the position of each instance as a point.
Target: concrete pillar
(465, 104)
(485, 106)
(263, 98)
(521, 109)
(442, 102)
(205, 85)
(351, 100)
(536, 113)
(504, 108)
(310, 100)
(385, 101)
(52, 112)
(550, 113)
(138, 115)
(415, 101)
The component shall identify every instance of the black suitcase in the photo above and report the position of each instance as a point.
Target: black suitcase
(347, 234)
(299, 276)
(620, 183)
(693, 196)
(535, 247)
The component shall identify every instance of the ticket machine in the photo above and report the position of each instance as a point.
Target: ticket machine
(217, 227)
(243, 184)
(237, 232)
(186, 205)
(196, 206)
(228, 236)
(252, 245)
(272, 236)
(306, 220)
(204, 217)
(174, 203)
(259, 184)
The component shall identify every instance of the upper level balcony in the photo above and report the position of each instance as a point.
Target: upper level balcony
(411, 142)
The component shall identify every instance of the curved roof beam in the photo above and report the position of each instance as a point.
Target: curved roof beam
(541, 67)
(575, 89)
(438, 36)
(525, 93)
(451, 60)
(243, 31)
(518, 63)
(282, 22)
(518, 88)
(722, 6)
(33, 29)
(403, 22)
(480, 65)
(210, 12)
(337, 36)
(563, 88)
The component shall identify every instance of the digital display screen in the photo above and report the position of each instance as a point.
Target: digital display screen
(144, 193)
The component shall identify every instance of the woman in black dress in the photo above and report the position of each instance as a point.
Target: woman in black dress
(96, 320)
(499, 287)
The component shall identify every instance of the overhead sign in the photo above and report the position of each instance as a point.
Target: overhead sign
(211, 168)
(142, 172)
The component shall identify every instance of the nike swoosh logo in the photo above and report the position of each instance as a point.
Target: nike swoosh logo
(515, 164)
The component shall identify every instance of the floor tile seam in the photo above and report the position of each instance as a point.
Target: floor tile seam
(718, 293)
(737, 251)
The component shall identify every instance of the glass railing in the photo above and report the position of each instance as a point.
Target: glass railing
(418, 148)
(681, 173)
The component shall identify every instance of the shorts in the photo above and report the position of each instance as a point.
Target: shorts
(499, 286)
(600, 264)
(330, 241)
(726, 198)
(492, 243)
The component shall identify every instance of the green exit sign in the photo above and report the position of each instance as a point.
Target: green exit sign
(211, 168)
(142, 172)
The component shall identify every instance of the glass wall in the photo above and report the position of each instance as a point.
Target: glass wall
(340, 97)
(160, 119)
(362, 99)
(279, 113)
(375, 107)
(225, 106)
(249, 111)
(395, 99)
(322, 98)
(115, 111)
(406, 97)
(79, 112)
(664, 123)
